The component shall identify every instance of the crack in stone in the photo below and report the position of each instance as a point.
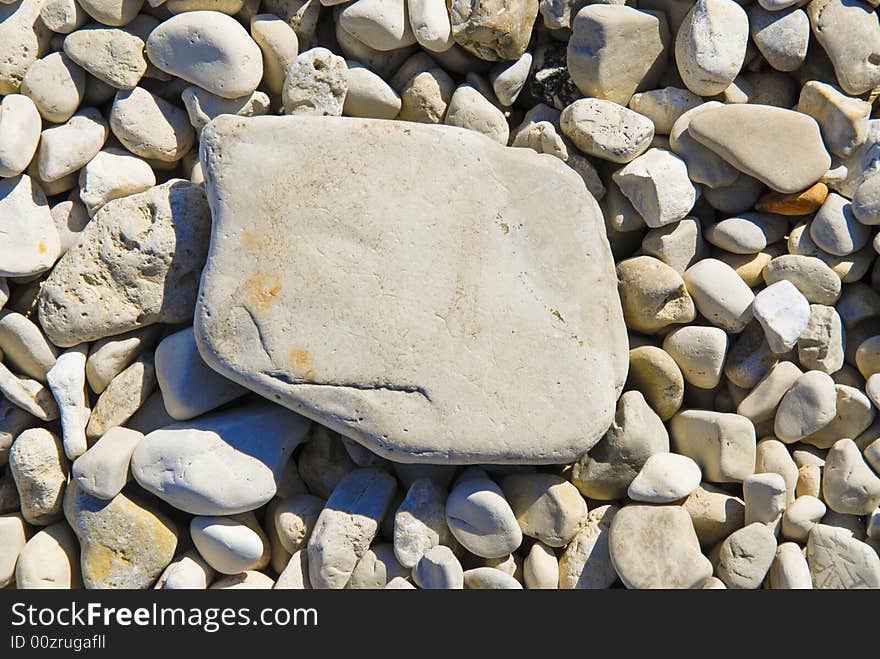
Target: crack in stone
(286, 378)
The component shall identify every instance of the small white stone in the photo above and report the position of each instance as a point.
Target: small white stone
(699, 353)
(481, 519)
(509, 78)
(13, 538)
(103, 470)
(665, 478)
(664, 106)
(229, 544)
(369, 95)
(28, 394)
(380, 24)
(849, 486)
(722, 444)
(63, 16)
(64, 149)
(189, 386)
(835, 228)
(745, 556)
(189, 572)
(56, 85)
(429, 20)
(39, 468)
(112, 174)
(468, 108)
(837, 560)
(790, 569)
(420, 522)
(25, 347)
(657, 185)
(541, 568)
(807, 406)
(202, 106)
(316, 84)
(250, 580)
(50, 560)
(295, 576)
(376, 568)
(607, 130)
(109, 357)
(20, 126)
(67, 380)
(720, 294)
(438, 568)
(761, 403)
(765, 496)
(208, 49)
(488, 578)
(784, 313)
(70, 218)
(279, 45)
(800, 516)
(151, 127)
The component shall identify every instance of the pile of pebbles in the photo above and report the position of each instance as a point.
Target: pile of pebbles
(733, 153)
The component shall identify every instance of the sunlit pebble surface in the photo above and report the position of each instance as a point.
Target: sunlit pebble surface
(735, 159)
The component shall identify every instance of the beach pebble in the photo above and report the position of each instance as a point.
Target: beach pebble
(765, 496)
(316, 84)
(379, 24)
(114, 56)
(187, 572)
(230, 544)
(56, 85)
(24, 38)
(468, 108)
(849, 32)
(24, 347)
(294, 518)
(782, 36)
(64, 149)
(636, 433)
(678, 245)
(438, 568)
(794, 203)
(30, 395)
(849, 486)
(63, 16)
(801, 516)
(667, 534)
(208, 49)
(547, 507)
(50, 560)
(279, 44)
(714, 513)
(665, 478)
(585, 563)
(842, 119)
(67, 381)
(710, 45)
(781, 148)
(488, 578)
(699, 353)
(103, 470)
(376, 568)
(837, 560)
(656, 375)
(652, 294)
(784, 313)
(772, 456)
(541, 568)
(493, 29)
(812, 277)
(431, 25)
(202, 106)
(722, 444)
(790, 569)
(112, 174)
(118, 299)
(425, 97)
(703, 165)
(249, 580)
(746, 555)
(607, 130)
(854, 414)
(507, 78)
(720, 294)
(369, 95)
(347, 525)
(295, 575)
(810, 404)
(481, 519)
(420, 522)
(112, 12)
(835, 229)
(40, 469)
(122, 397)
(748, 233)
(614, 50)
(13, 539)
(657, 185)
(20, 126)
(189, 387)
(222, 464)
(150, 126)
(124, 544)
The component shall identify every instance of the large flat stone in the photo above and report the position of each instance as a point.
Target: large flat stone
(420, 289)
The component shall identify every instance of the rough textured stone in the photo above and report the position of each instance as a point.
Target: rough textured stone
(606, 130)
(838, 560)
(710, 45)
(546, 506)
(400, 405)
(420, 522)
(849, 31)
(138, 263)
(40, 469)
(586, 561)
(493, 29)
(746, 555)
(124, 544)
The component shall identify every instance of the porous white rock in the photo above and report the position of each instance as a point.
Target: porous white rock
(607, 130)
(24, 38)
(103, 470)
(850, 34)
(316, 84)
(402, 407)
(347, 525)
(39, 468)
(63, 16)
(294, 518)
(665, 478)
(585, 563)
(67, 381)
(221, 464)
(113, 56)
(208, 49)
(420, 522)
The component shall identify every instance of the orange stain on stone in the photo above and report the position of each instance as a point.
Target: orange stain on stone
(41, 247)
(262, 290)
(301, 362)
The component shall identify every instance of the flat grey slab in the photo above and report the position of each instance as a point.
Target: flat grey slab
(420, 289)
